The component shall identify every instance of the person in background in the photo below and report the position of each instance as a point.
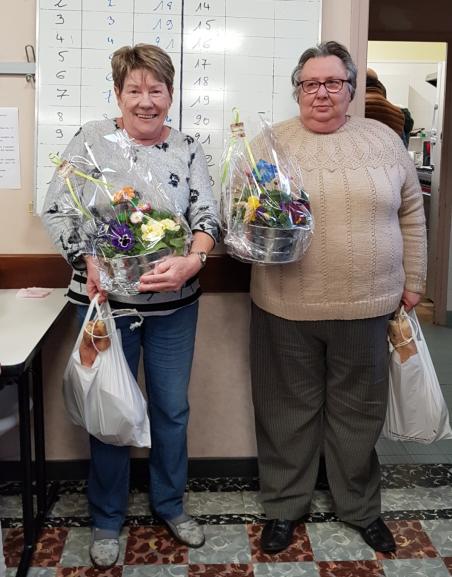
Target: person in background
(379, 108)
(318, 346)
(143, 78)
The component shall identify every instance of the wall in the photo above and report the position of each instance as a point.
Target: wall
(221, 419)
(414, 51)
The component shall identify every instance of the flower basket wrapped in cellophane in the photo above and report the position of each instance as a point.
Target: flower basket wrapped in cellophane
(128, 221)
(265, 210)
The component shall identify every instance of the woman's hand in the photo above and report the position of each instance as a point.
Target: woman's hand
(93, 281)
(409, 299)
(170, 274)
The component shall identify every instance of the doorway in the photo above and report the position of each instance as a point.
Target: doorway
(413, 74)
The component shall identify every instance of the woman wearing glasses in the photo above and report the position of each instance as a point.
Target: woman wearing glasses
(319, 354)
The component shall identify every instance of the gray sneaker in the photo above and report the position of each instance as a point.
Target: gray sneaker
(104, 553)
(187, 531)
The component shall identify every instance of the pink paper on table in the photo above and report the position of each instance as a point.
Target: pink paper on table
(33, 292)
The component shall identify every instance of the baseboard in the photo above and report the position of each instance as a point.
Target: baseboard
(78, 470)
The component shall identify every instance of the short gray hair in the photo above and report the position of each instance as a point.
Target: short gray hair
(329, 48)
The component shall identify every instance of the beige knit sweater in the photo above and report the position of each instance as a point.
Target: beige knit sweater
(369, 240)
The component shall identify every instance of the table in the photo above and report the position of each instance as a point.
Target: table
(24, 325)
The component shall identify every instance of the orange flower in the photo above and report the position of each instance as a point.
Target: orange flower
(124, 195)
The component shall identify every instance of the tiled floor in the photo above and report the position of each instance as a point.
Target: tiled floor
(416, 503)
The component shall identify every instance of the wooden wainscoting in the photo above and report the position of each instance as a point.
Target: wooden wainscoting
(221, 274)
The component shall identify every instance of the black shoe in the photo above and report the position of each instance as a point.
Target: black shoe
(277, 535)
(378, 536)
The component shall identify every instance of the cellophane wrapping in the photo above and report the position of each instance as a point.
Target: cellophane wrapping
(126, 217)
(265, 209)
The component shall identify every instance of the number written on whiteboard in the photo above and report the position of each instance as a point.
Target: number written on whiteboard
(161, 6)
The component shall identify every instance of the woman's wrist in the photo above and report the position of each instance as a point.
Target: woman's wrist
(200, 255)
(194, 256)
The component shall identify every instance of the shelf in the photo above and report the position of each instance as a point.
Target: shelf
(17, 68)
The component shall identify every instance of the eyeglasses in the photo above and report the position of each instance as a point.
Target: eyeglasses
(312, 86)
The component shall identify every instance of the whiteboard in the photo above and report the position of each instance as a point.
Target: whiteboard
(227, 53)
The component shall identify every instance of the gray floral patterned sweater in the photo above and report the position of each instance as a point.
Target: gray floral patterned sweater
(178, 164)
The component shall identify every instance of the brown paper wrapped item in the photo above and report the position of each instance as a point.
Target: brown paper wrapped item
(95, 340)
(401, 336)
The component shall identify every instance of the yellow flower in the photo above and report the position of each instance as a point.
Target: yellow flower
(253, 202)
(250, 211)
(152, 231)
(169, 224)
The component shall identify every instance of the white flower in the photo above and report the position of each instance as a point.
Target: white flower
(136, 217)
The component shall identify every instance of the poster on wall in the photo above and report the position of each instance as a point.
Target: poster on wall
(9, 148)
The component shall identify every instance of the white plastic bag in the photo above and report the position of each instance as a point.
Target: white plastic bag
(9, 409)
(416, 410)
(105, 398)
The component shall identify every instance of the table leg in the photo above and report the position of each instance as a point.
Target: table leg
(40, 452)
(27, 473)
(44, 498)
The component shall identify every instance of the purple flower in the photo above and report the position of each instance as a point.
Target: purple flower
(283, 206)
(298, 212)
(121, 237)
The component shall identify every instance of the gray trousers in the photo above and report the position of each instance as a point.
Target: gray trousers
(319, 384)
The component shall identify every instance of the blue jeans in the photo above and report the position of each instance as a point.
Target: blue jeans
(168, 344)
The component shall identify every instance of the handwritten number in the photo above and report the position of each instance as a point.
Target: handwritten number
(202, 62)
(203, 6)
(160, 5)
(205, 100)
(201, 81)
(61, 93)
(107, 95)
(200, 119)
